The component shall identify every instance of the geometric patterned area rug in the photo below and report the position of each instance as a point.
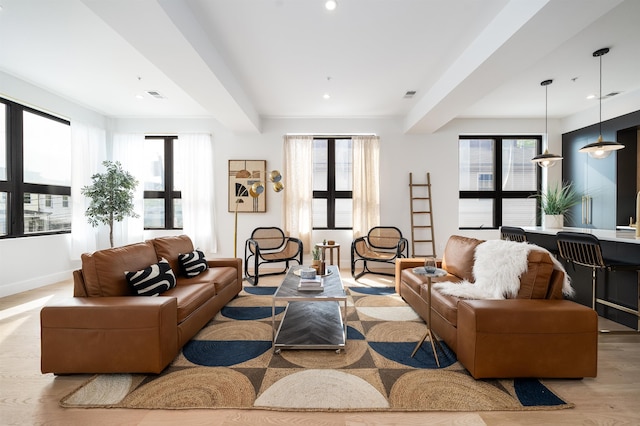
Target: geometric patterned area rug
(230, 364)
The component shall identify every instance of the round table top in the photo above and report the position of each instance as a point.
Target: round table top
(327, 245)
(437, 273)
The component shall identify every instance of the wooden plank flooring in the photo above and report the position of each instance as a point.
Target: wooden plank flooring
(28, 397)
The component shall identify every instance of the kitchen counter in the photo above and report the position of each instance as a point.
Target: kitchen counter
(602, 234)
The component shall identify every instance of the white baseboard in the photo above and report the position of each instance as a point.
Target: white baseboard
(21, 286)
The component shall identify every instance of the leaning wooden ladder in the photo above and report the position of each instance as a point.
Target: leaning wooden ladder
(421, 218)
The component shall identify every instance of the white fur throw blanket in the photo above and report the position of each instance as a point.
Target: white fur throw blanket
(497, 268)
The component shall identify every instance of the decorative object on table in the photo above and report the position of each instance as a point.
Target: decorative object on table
(601, 149)
(556, 202)
(316, 260)
(111, 195)
(546, 159)
(245, 183)
(430, 265)
(307, 273)
(311, 284)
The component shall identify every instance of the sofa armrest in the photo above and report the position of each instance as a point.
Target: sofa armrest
(405, 263)
(527, 338)
(109, 334)
(234, 262)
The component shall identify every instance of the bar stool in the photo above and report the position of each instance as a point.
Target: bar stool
(584, 249)
(511, 233)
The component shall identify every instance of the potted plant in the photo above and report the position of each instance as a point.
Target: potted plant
(317, 262)
(111, 196)
(556, 202)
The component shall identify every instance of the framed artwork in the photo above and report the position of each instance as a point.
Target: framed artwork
(243, 174)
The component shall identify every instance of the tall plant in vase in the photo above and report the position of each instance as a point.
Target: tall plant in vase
(556, 203)
(111, 196)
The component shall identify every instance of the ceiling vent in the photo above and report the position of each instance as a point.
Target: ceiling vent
(610, 95)
(155, 94)
(409, 94)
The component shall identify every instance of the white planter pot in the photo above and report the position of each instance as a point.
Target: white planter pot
(553, 221)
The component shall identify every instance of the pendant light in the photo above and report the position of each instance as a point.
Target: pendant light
(601, 149)
(546, 159)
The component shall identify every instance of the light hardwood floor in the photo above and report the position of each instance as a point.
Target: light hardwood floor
(28, 397)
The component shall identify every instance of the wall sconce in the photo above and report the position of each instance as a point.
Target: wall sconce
(601, 149)
(546, 159)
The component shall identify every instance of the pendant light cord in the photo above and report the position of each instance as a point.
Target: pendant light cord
(600, 95)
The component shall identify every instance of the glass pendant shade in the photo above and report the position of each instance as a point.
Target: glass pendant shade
(546, 159)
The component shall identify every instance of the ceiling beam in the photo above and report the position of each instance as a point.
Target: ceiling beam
(518, 37)
(173, 40)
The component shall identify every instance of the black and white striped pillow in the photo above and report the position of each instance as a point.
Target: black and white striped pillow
(152, 280)
(193, 264)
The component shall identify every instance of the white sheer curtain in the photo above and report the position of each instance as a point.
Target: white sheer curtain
(298, 192)
(88, 151)
(128, 149)
(366, 184)
(193, 153)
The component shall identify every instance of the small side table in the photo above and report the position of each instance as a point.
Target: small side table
(324, 247)
(437, 273)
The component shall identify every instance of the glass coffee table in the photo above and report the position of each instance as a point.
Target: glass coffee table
(312, 319)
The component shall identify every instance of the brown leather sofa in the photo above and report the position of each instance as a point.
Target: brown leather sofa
(536, 334)
(104, 328)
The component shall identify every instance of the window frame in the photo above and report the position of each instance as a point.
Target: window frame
(497, 194)
(168, 195)
(331, 194)
(14, 186)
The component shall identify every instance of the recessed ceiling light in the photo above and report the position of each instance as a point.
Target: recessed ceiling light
(592, 96)
(326, 96)
(139, 96)
(330, 4)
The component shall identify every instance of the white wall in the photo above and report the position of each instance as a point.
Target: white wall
(27, 263)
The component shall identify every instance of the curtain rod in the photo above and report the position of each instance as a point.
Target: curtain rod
(328, 135)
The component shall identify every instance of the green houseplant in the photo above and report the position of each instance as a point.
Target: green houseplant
(556, 202)
(111, 195)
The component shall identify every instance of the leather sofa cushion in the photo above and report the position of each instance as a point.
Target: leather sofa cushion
(446, 306)
(190, 297)
(170, 248)
(459, 255)
(220, 276)
(104, 270)
(414, 281)
(534, 282)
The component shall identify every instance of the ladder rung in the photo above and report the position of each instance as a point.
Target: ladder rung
(422, 241)
(422, 226)
(421, 198)
(421, 212)
(420, 184)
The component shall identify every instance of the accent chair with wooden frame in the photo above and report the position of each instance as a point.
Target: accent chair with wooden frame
(382, 244)
(270, 245)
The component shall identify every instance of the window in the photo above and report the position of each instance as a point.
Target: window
(332, 183)
(497, 181)
(35, 167)
(162, 184)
